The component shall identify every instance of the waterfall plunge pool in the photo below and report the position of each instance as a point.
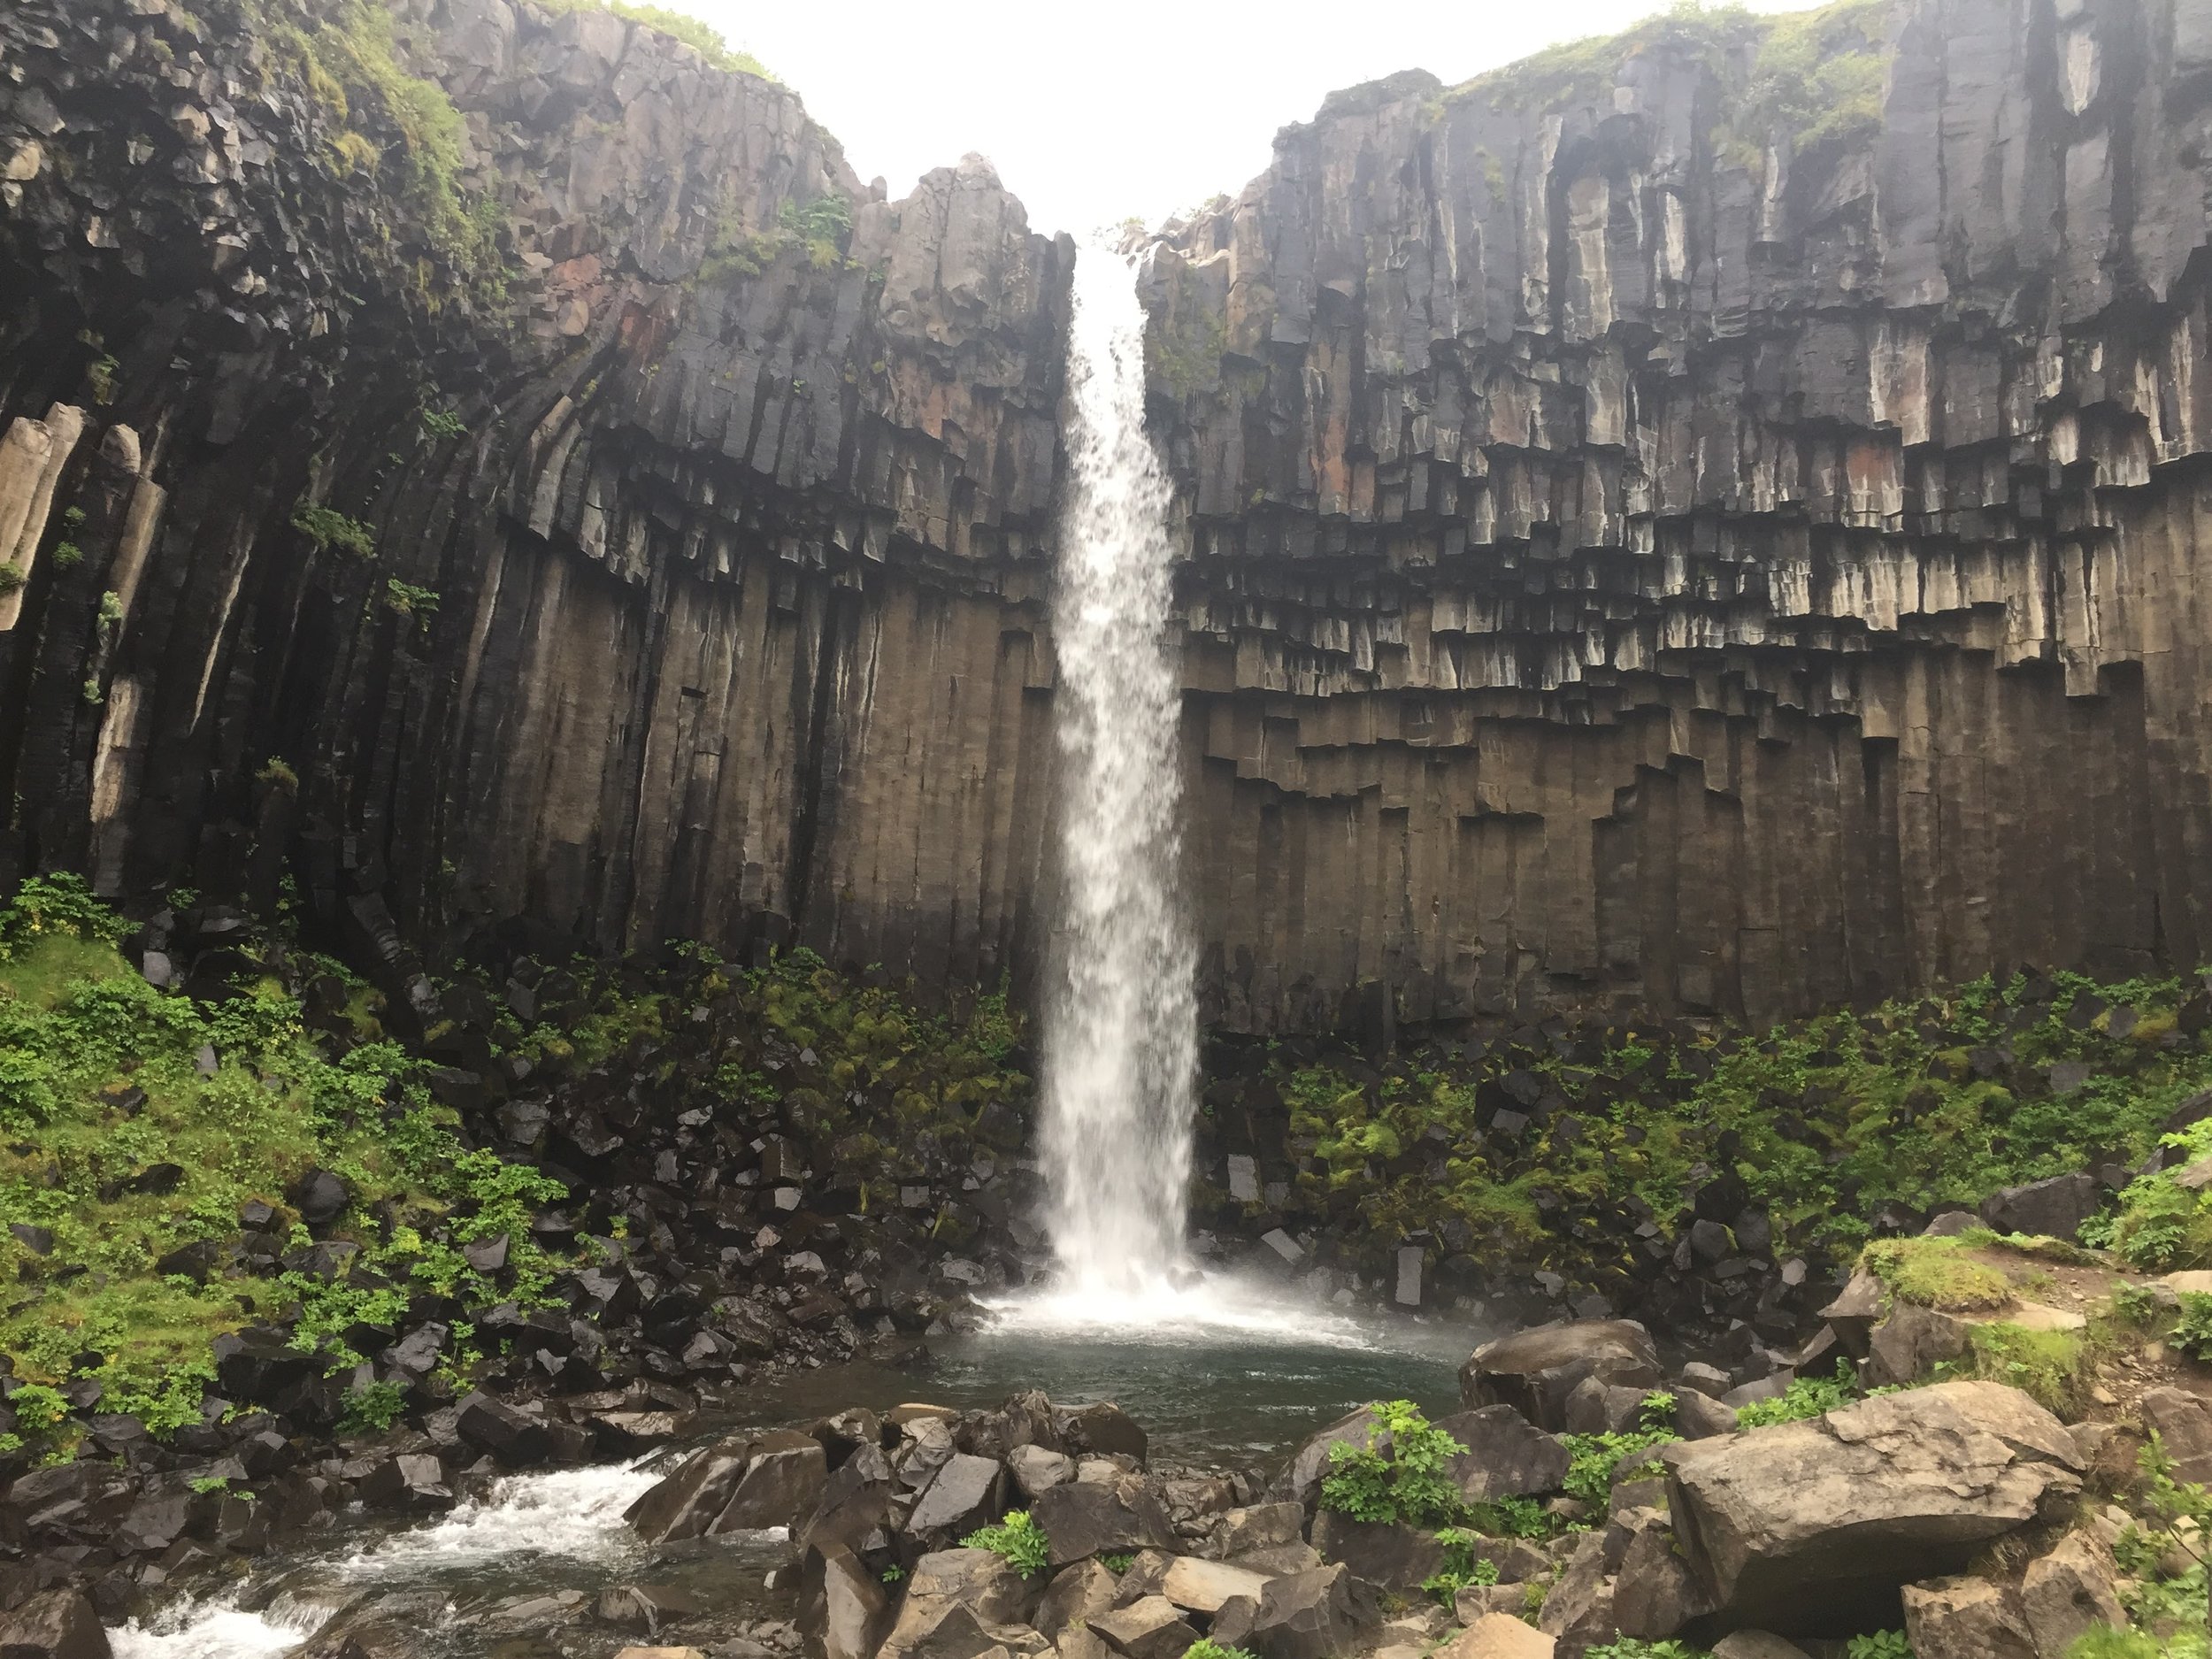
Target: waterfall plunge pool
(1223, 1381)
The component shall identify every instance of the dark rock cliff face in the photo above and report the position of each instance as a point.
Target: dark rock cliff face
(1640, 560)
(1650, 547)
(699, 586)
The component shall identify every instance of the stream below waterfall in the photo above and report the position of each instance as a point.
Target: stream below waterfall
(514, 1571)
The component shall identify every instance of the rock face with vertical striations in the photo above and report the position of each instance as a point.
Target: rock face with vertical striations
(1703, 521)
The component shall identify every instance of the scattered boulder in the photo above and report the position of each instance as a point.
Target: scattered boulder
(966, 1493)
(57, 1623)
(1090, 1517)
(2183, 1423)
(1314, 1615)
(1802, 1522)
(1037, 1470)
(1150, 1628)
(774, 1479)
(1389, 1556)
(1300, 1479)
(1201, 1586)
(953, 1598)
(1501, 1636)
(2069, 1591)
(1965, 1619)
(1506, 1456)
(2053, 1209)
(843, 1608)
(1535, 1370)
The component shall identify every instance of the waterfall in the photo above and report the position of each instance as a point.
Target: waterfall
(1121, 1023)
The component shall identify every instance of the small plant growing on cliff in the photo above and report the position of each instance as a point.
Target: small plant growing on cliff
(91, 692)
(277, 771)
(1398, 1475)
(440, 423)
(68, 554)
(410, 600)
(1879, 1644)
(10, 579)
(111, 609)
(1206, 1647)
(1637, 1648)
(326, 528)
(372, 1408)
(1017, 1539)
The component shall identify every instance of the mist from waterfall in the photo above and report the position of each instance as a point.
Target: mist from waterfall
(1121, 1022)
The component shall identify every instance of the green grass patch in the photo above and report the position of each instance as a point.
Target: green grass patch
(1942, 1274)
(135, 1122)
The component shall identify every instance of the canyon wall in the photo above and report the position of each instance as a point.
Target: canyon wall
(1716, 520)
(668, 565)
(1705, 521)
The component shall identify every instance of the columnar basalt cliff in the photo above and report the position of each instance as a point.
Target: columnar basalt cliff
(1709, 521)
(633, 529)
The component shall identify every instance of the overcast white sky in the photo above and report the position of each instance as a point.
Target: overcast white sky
(1095, 113)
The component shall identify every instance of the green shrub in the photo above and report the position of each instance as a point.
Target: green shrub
(44, 906)
(1594, 1462)
(1404, 1483)
(1805, 1397)
(1206, 1647)
(1510, 1517)
(2192, 1333)
(326, 528)
(1017, 1539)
(1881, 1644)
(1462, 1566)
(372, 1408)
(1636, 1648)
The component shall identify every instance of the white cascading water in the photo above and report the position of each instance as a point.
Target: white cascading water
(1121, 1022)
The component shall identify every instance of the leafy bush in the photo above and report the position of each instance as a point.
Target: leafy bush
(326, 528)
(1117, 1563)
(1017, 1539)
(1636, 1648)
(1805, 1397)
(1510, 1517)
(1881, 1644)
(372, 1408)
(1462, 1566)
(47, 905)
(1206, 1647)
(2192, 1334)
(1594, 1462)
(1405, 1482)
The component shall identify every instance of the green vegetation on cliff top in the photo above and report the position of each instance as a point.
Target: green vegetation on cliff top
(1811, 77)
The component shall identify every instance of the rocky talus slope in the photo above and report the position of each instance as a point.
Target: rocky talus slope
(1702, 521)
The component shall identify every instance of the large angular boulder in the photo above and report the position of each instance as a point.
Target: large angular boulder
(1077, 1594)
(1501, 1636)
(739, 1485)
(1534, 1372)
(1314, 1615)
(1199, 1585)
(965, 1493)
(1151, 1627)
(1090, 1517)
(1389, 1556)
(1506, 1456)
(843, 1610)
(2069, 1591)
(2181, 1421)
(1300, 1479)
(2054, 1209)
(1965, 1619)
(55, 1625)
(954, 1599)
(1806, 1524)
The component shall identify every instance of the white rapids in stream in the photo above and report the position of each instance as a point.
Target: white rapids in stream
(1121, 1019)
(569, 1517)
